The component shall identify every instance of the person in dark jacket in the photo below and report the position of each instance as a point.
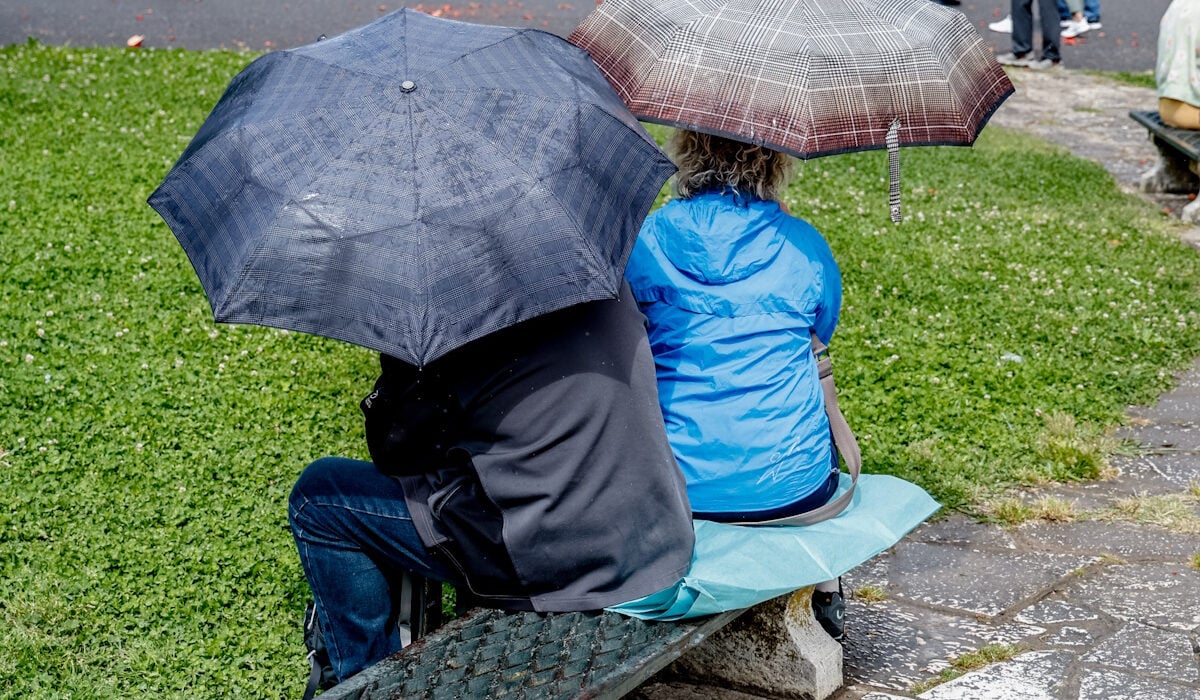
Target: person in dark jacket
(734, 288)
(530, 466)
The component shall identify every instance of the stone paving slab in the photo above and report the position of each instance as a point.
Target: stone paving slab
(1101, 495)
(1165, 595)
(978, 581)
(1106, 684)
(1126, 540)
(894, 645)
(1148, 651)
(1189, 380)
(1177, 471)
(961, 530)
(1053, 612)
(1163, 438)
(1178, 407)
(1035, 675)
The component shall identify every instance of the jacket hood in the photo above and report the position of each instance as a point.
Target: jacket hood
(721, 237)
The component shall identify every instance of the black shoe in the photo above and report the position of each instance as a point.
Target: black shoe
(829, 609)
(322, 677)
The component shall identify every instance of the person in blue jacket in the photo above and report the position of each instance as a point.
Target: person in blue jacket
(733, 287)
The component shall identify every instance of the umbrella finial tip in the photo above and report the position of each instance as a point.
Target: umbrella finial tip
(408, 86)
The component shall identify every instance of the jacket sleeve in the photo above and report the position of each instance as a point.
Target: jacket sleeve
(830, 305)
(412, 419)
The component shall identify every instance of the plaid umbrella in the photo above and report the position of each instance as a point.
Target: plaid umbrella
(412, 185)
(807, 77)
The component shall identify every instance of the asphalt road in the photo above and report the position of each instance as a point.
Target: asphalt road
(1126, 42)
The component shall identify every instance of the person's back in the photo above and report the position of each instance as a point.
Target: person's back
(1176, 71)
(733, 287)
(562, 490)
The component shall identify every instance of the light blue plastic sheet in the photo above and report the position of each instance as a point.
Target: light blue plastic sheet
(736, 566)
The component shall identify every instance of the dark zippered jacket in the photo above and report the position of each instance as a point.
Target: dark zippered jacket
(535, 461)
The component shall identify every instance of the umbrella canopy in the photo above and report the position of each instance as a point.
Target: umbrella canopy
(412, 185)
(807, 77)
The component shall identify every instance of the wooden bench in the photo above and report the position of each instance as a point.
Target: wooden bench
(774, 649)
(1178, 167)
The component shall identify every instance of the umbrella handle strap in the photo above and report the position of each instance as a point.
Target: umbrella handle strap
(893, 151)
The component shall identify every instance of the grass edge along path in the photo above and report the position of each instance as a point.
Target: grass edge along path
(146, 453)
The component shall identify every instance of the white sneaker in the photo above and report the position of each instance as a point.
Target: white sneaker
(1003, 26)
(1074, 29)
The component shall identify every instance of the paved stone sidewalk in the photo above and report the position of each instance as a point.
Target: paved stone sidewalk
(1099, 609)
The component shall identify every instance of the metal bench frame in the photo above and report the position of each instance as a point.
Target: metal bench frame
(484, 653)
(1178, 167)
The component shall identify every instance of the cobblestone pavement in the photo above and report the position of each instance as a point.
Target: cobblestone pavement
(1099, 609)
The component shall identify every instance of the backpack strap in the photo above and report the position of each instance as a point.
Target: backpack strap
(843, 439)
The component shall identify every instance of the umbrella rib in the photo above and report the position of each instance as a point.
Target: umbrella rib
(516, 33)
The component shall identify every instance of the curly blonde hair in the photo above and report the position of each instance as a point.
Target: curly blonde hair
(708, 162)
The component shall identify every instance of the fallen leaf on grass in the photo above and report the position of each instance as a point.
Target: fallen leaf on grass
(134, 41)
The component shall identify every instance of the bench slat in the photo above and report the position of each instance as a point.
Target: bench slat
(1186, 141)
(498, 654)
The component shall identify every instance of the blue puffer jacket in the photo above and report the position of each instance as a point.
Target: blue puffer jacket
(731, 287)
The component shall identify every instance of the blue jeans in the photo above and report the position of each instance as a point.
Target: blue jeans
(1091, 10)
(356, 538)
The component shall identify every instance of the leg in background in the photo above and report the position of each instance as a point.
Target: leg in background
(1022, 27)
(1180, 115)
(1050, 30)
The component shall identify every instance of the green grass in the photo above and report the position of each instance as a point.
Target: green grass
(1135, 78)
(146, 454)
(966, 663)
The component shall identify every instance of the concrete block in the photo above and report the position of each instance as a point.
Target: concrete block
(776, 649)
(1169, 174)
(1191, 212)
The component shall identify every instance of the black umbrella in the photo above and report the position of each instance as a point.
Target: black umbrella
(412, 185)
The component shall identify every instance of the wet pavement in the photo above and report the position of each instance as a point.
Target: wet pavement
(251, 24)
(1126, 42)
